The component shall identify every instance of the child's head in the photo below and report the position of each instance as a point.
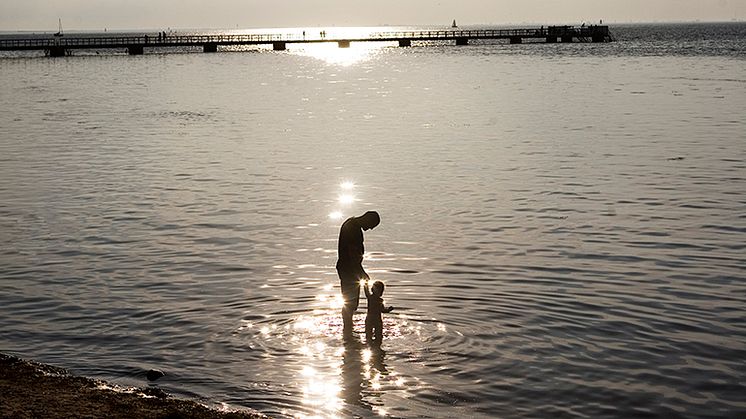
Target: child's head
(377, 288)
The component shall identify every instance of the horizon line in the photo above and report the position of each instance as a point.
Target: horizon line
(106, 29)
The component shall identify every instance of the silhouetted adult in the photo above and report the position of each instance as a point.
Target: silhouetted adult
(350, 262)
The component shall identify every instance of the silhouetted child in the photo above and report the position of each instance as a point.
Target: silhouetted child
(374, 321)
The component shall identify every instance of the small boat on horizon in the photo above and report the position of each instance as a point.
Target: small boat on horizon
(453, 25)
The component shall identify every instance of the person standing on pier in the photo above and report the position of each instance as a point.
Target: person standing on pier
(350, 263)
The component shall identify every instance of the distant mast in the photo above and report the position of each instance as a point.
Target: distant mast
(59, 31)
(453, 25)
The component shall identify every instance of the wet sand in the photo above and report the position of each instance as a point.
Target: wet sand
(31, 390)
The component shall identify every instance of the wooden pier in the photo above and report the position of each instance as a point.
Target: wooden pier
(136, 45)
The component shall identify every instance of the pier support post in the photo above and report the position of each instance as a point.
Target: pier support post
(405, 43)
(279, 46)
(551, 39)
(462, 41)
(600, 33)
(343, 43)
(56, 51)
(567, 39)
(135, 50)
(210, 47)
(516, 40)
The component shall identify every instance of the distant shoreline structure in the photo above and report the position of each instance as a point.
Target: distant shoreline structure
(47, 31)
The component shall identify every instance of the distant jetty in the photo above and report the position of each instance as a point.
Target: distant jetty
(136, 45)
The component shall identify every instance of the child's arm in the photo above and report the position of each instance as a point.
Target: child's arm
(365, 288)
(386, 310)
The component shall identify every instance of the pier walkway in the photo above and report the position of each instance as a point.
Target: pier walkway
(135, 45)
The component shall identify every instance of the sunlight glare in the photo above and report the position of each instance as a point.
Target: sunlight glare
(320, 391)
(346, 199)
(347, 185)
(381, 411)
(335, 215)
(331, 53)
(314, 326)
(337, 302)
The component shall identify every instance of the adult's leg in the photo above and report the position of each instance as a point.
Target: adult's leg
(351, 296)
(347, 320)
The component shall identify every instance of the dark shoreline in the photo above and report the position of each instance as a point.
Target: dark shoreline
(30, 390)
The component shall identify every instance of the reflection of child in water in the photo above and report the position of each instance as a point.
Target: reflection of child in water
(373, 321)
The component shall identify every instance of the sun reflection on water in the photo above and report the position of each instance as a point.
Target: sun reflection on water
(334, 376)
(331, 53)
(344, 199)
(321, 391)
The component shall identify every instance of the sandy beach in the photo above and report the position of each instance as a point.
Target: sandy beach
(31, 390)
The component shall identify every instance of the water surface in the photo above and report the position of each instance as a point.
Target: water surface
(562, 225)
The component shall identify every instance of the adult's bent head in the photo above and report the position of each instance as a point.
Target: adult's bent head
(369, 220)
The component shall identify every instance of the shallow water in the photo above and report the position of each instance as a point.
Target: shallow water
(562, 225)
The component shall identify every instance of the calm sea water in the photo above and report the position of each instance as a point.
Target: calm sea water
(562, 225)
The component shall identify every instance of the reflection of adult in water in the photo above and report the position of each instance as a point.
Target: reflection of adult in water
(352, 373)
(350, 262)
(355, 376)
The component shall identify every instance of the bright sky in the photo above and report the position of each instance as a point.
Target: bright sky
(162, 14)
